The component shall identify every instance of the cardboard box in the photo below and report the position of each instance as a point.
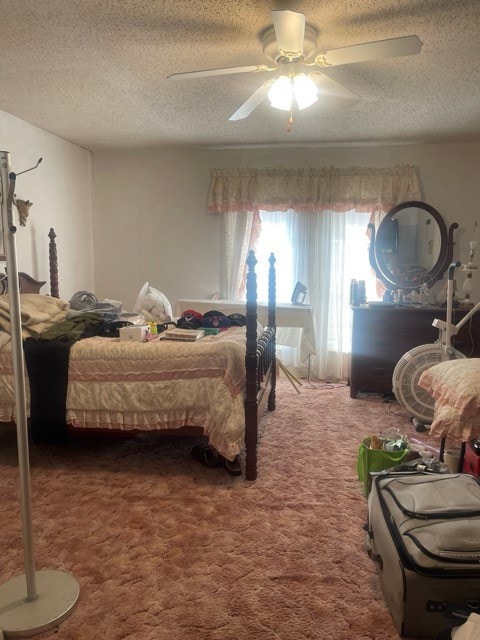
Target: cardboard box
(134, 333)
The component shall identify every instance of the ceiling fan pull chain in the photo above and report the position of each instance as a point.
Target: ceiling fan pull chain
(290, 121)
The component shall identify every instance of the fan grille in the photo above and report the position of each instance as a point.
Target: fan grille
(407, 373)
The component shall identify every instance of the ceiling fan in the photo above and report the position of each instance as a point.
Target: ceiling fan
(290, 44)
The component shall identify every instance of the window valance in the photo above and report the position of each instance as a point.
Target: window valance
(312, 190)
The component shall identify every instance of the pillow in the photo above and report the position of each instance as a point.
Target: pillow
(455, 383)
(449, 422)
(153, 305)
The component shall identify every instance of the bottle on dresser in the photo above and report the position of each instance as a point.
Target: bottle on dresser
(354, 293)
(361, 293)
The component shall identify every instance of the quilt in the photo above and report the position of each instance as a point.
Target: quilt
(151, 385)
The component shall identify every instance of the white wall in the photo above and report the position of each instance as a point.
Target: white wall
(151, 223)
(150, 207)
(61, 192)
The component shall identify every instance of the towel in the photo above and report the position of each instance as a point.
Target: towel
(38, 312)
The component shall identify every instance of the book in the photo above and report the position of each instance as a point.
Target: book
(186, 335)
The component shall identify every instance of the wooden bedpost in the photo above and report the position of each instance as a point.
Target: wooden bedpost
(53, 262)
(272, 301)
(251, 416)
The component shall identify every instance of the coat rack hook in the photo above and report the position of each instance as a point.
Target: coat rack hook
(26, 170)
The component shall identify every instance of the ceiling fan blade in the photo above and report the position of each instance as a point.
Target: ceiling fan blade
(219, 72)
(393, 48)
(290, 32)
(336, 93)
(252, 103)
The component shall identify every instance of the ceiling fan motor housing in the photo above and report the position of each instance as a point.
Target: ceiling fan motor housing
(270, 48)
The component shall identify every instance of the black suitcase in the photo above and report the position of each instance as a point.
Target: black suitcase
(423, 532)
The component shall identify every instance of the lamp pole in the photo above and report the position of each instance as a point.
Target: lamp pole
(35, 601)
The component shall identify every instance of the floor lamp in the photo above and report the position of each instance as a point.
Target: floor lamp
(35, 601)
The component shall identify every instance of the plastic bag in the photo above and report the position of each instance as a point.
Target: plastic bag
(153, 305)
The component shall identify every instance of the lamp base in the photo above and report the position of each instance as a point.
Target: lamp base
(57, 597)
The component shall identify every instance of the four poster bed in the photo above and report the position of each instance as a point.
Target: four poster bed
(218, 386)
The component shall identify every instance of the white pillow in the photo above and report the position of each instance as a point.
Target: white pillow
(448, 421)
(455, 383)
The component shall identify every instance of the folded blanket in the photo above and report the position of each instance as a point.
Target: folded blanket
(38, 312)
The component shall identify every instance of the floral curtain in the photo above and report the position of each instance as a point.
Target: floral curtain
(239, 231)
(312, 190)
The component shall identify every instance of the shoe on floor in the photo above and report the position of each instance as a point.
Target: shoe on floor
(207, 456)
(233, 467)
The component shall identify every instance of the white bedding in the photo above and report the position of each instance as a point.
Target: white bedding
(151, 385)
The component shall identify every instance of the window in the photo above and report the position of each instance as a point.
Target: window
(278, 234)
(276, 238)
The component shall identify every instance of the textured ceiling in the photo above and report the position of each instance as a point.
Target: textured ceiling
(95, 71)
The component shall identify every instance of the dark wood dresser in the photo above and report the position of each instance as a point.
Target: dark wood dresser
(382, 335)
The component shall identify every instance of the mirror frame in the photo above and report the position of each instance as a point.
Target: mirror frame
(437, 271)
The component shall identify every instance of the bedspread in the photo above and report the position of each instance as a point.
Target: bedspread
(153, 385)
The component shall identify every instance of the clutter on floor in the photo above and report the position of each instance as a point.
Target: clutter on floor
(392, 449)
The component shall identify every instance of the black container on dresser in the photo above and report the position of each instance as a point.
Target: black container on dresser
(382, 335)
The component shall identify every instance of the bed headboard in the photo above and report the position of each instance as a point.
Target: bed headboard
(28, 284)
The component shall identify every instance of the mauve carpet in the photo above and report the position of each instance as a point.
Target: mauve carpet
(166, 549)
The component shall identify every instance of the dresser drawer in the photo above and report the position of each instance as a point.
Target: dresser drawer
(382, 335)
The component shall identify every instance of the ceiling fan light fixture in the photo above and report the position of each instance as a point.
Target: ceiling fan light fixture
(284, 90)
(280, 93)
(305, 91)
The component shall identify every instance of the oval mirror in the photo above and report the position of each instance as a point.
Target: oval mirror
(411, 247)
